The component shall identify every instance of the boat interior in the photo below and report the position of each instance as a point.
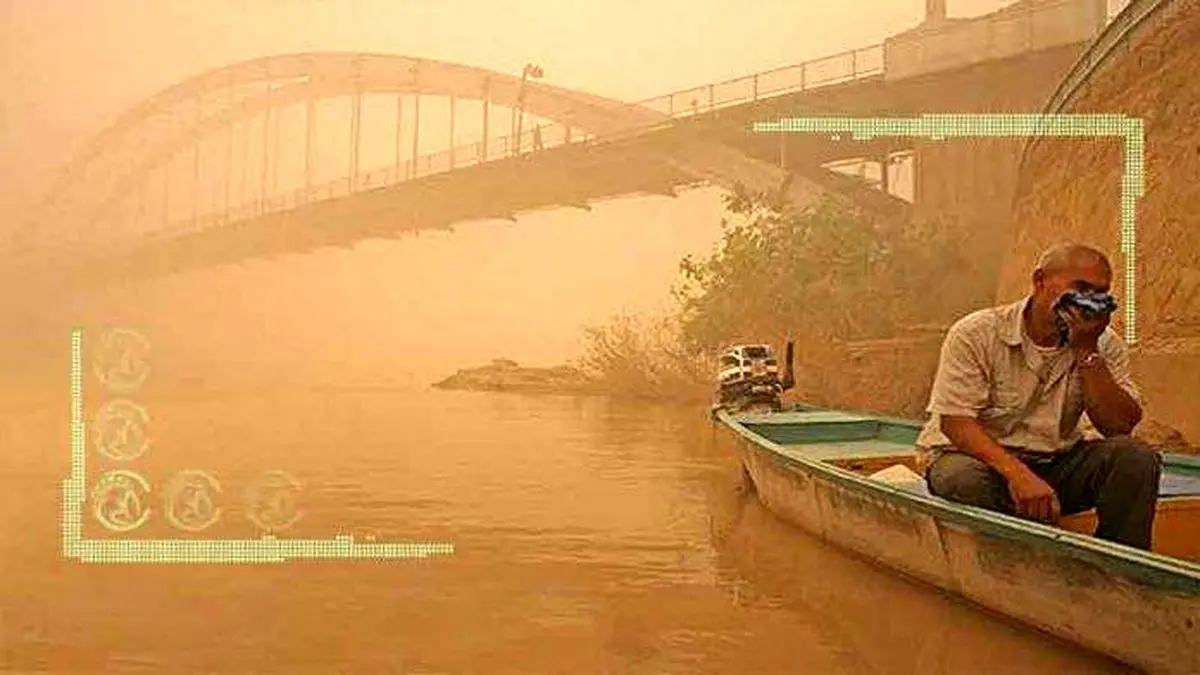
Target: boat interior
(883, 449)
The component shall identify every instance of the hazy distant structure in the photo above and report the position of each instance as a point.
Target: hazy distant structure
(253, 144)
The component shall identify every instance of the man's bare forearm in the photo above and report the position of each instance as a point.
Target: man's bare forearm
(968, 435)
(1108, 406)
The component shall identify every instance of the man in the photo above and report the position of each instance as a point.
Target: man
(1000, 439)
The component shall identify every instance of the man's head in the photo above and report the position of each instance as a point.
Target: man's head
(1069, 267)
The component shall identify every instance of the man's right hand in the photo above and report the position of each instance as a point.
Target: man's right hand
(1033, 497)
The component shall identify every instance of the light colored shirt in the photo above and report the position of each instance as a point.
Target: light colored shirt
(989, 370)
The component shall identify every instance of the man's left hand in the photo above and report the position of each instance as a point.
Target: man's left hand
(1085, 331)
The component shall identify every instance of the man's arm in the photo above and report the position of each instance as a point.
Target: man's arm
(960, 391)
(969, 435)
(1108, 391)
(1032, 497)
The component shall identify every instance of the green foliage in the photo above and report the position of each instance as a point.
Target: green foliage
(779, 273)
(829, 271)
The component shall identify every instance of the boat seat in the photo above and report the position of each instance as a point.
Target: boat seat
(1178, 485)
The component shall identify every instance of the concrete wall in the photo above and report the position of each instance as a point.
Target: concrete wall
(1069, 190)
(969, 183)
(1020, 28)
(883, 376)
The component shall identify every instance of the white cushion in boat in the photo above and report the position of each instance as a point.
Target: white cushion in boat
(902, 477)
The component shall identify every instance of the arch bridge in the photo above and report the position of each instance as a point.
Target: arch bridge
(294, 152)
(338, 135)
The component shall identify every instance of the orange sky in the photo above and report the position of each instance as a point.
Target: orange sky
(67, 68)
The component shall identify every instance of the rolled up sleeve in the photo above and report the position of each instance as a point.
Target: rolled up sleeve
(1116, 357)
(960, 387)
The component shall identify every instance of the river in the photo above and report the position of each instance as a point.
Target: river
(591, 537)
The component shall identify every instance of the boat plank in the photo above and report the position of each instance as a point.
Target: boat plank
(850, 450)
(802, 417)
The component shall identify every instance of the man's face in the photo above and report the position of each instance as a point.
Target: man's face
(1083, 273)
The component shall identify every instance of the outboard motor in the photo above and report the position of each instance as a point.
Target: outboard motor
(749, 377)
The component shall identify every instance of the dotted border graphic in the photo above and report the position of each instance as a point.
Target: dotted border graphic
(269, 549)
(941, 127)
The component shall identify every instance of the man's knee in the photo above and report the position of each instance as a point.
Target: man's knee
(964, 479)
(1129, 459)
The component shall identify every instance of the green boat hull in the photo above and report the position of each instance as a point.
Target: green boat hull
(1138, 607)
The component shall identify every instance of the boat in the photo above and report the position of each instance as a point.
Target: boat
(851, 479)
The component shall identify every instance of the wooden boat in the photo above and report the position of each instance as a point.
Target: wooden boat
(814, 469)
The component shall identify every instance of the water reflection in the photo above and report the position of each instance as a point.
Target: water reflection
(891, 624)
(591, 537)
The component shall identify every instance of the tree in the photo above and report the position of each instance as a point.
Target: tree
(781, 273)
(828, 271)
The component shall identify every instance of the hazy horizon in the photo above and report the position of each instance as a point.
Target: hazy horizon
(429, 304)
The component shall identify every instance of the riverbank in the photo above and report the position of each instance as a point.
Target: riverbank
(509, 376)
(506, 375)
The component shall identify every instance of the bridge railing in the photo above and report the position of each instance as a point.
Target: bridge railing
(844, 67)
(1135, 16)
(840, 68)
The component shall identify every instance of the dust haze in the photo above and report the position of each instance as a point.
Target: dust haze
(407, 310)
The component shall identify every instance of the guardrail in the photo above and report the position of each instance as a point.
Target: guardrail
(1017, 29)
(839, 68)
(1118, 33)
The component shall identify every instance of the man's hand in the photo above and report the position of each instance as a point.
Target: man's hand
(1085, 332)
(1033, 497)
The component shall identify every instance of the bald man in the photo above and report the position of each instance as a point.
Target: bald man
(1007, 411)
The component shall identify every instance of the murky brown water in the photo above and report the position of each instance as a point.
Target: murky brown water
(592, 537)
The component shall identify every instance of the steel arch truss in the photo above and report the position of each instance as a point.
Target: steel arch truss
(182, 116)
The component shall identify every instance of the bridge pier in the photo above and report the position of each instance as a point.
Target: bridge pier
(355, 136)
(412, 168)
(310, 130)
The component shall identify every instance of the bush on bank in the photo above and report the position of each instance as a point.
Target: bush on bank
(829, 271)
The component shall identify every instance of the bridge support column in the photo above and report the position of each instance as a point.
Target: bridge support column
(399, 134)
(355, 137)
(230, 130)
(483, 152)
(935, 10)
(266, 159)
(215, 204)
(968, 185)
(310, 131)
(196, 170)
(228, 184)
(416, 134)
(243, 186)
